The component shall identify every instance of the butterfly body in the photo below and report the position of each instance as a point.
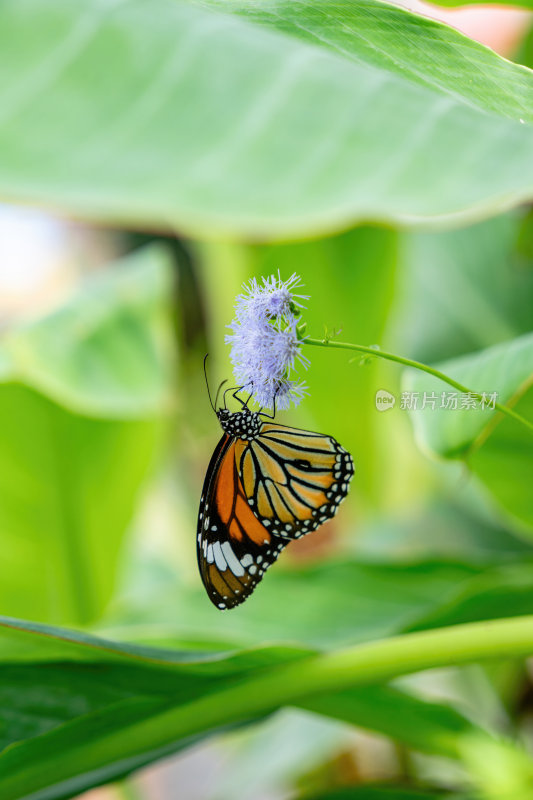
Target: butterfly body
(266, 485)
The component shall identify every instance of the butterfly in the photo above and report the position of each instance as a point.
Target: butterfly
(266, 485)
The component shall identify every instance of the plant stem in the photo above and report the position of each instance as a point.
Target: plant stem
(368, 663)
(408, 362)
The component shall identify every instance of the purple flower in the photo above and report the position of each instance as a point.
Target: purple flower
(265, 341)
(275, 298)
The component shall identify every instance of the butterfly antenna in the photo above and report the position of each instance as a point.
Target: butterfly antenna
(207, 383)
(224, 395)
(218, 390)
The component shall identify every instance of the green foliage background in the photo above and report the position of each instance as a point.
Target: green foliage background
(385, 159)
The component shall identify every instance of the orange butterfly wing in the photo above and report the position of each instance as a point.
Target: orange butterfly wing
(294, 480)
(234, 548)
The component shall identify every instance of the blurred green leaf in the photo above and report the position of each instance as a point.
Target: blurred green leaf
(370, 31)
(75, 454)
(81, 710)
(107, 352)
(173, 114)
(425, 726)
(504, 463)
(499, 450)
(450, 432)
(68, 487)
(367, 601)
(503, 588)
(458, 533)
(464, 290)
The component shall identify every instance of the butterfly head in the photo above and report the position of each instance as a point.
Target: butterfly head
(243, 424)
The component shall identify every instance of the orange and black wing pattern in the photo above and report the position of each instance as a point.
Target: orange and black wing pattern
(261, 492)
(294, 480)
(234, 548)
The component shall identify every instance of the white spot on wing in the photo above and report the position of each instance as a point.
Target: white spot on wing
(233, 562)
(246, 560)
(220, 561)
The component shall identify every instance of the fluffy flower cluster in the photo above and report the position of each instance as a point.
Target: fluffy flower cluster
(265, 342)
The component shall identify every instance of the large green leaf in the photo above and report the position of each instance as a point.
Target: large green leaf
(68, 485)
(366, 600)
(502, 588)
(75, 454)
(465, 290)
(275, 120)
(387, 37)
(499, 449)
(457, 532)
(78, 710)
(504, 463)
(107, 351)
(504, 368)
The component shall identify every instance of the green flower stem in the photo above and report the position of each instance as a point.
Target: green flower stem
(251, 697)
(408, 362)
(369, 663)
